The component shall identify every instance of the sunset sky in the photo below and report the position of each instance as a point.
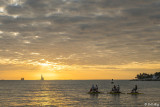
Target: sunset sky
(79, 39)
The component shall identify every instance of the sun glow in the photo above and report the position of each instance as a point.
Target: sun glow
(50, 66)
(45, 64)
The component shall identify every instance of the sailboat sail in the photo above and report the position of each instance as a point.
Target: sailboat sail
(42, 78)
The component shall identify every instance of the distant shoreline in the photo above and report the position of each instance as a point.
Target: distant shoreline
(145, 80)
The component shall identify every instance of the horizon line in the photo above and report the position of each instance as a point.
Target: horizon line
(66, 79)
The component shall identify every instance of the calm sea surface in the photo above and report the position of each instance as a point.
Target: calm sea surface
(74, 93)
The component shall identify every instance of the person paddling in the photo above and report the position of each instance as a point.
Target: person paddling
(92, 88)
(118, 89)
(134, 90)
(96, 89)
(114, 89)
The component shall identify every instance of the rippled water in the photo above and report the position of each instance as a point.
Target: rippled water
(74, 93)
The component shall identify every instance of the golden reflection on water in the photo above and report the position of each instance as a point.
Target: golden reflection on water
(47, 95)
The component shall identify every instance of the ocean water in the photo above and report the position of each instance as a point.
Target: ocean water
(61, 93)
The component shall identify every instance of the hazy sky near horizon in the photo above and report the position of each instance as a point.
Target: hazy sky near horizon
(67, 39)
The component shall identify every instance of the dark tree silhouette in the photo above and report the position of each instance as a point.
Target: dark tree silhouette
(145, 75)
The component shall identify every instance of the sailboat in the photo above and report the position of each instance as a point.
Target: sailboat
(42, 78)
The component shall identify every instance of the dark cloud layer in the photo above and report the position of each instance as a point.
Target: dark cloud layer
(84, 32)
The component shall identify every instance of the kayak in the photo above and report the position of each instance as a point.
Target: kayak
(94, 92)
(115, 93)
(135, 93)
